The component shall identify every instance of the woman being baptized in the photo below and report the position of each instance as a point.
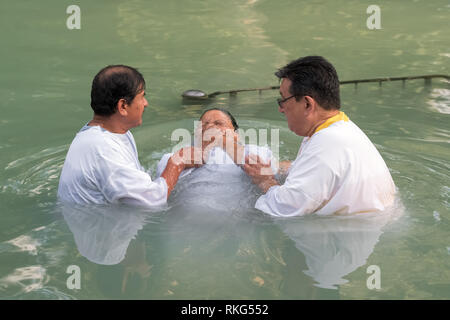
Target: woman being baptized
(218, 180)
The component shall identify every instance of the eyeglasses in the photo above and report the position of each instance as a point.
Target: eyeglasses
(281, 101)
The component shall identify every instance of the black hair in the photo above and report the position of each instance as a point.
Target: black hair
(113, 83)
(227, 113)
(313, 76)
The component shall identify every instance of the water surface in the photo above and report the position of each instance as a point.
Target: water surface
(215, 252)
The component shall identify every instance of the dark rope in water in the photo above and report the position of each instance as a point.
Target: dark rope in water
(427, 79)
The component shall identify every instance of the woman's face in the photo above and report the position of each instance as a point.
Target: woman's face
(215, 125)
(216, 119)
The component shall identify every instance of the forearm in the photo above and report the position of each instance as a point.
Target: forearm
(284, 167)
(266, 184)
(171, 174)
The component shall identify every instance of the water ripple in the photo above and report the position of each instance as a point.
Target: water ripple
(35, 174)
(440, 100)
(27, 279)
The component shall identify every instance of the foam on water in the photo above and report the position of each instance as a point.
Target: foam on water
(440, 100)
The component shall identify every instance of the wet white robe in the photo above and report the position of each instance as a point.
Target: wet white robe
(219, 185)
(337, 170)
(103, 168)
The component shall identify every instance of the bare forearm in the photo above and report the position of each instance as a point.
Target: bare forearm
(266, 184)
(284, 167)
(171, 174)
(259, 172)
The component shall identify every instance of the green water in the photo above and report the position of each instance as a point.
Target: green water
(45, 79)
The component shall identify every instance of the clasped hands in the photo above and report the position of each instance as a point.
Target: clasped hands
(193, 157)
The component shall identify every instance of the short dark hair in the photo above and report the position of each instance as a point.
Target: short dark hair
(313, 76)
(227, 113)
(113, 83)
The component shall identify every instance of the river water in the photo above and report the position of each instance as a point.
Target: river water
(219, 247)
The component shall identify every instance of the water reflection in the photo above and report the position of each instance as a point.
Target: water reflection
(106, 236)
(334, 246)
(211, 244)
(103, 233)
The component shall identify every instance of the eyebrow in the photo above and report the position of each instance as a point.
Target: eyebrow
(218, 120)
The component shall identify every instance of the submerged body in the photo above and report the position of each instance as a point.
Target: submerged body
(220, 183)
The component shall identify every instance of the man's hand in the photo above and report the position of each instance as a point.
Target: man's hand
(284, 167)
(232, 146)
(188, 157)
(260, 172)
(227, 139)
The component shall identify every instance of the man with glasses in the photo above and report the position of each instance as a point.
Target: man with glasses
(337, 169)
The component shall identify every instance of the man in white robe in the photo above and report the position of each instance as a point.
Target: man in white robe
(338, 170)
(102, 165)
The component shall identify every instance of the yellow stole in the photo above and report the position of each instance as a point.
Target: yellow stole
(340, 116)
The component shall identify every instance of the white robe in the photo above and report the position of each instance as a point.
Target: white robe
(218, 156)
(219, 185)
(337, 170)
(103, 168)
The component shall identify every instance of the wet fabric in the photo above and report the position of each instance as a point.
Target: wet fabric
(337, 170)
(219, 185)
(103, 168)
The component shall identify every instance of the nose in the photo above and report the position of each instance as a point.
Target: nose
(280, 109)
(146, 103)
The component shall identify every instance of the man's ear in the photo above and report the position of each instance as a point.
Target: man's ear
(310, 105)
(310, 102)
(121, 107)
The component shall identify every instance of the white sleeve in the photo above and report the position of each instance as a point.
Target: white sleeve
(121, 182)
(307, 188)
(162, 164)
